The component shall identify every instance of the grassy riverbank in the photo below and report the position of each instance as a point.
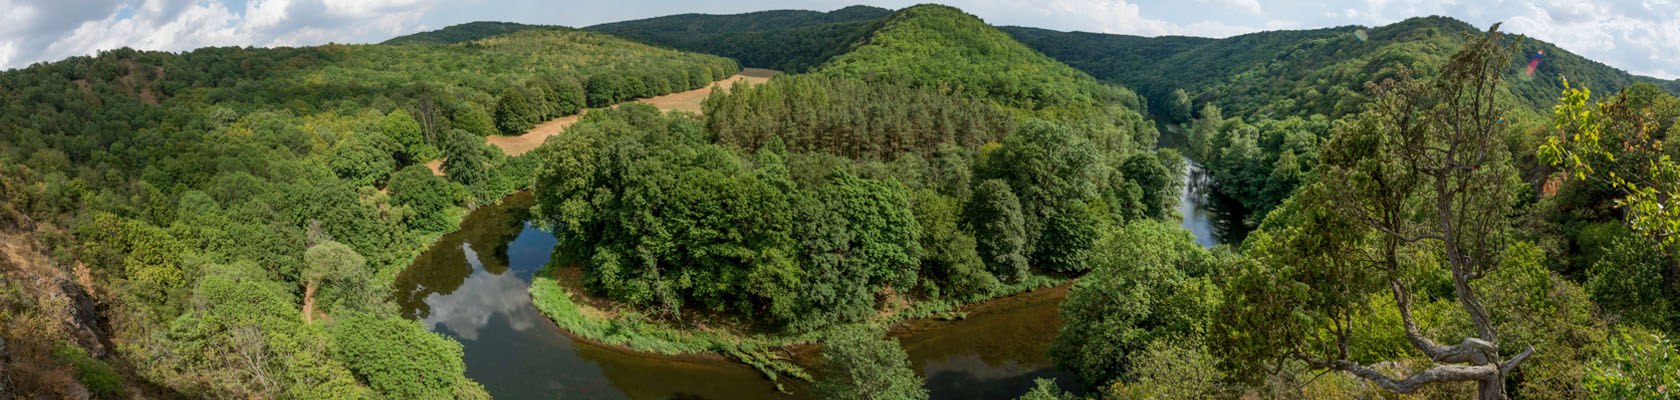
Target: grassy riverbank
(558, 294)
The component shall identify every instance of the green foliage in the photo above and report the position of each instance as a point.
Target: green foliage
(361, 163)
(1303, 72)
(852, 118)
(1149, 283)
(1055, 174)
(1636, 367)
(401, 127)
(880, 225)
(341, 278)
(462, 33)
(859, 364)
(466, 158)
(994, 215)
(471, 118)
(1178, 106)
(1046, 389)
(1534, 305)
(398, 358)
(515, 113)
(242, 337)
(154, 258)
(428, 196)
(1171, 368)
(99, 378)
(951, 258)
(1627, 280)
(933, 46)
(1259, 164)
(566, 97)
(1412, 204)
(340, 212)
(176, 170)
(787, 40)
(1148, 171)
(1619, 141)
(723, 240)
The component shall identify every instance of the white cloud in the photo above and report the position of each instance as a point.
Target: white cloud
(1104, 16)
(1248, 6)
(41, 30)
(468, 309)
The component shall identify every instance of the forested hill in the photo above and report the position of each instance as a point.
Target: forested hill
(464, 33)
(937, 46)
(1303, 72)
(241, 211)
(787, 40)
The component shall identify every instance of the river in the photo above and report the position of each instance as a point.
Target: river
(472, 285)
(1209, 215)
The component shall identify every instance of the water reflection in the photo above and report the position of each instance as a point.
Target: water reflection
(1209, 215)
(472, 285)
(483, 294)
(996, 353)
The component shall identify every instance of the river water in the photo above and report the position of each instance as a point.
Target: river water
(1209, 215)
(472, 285)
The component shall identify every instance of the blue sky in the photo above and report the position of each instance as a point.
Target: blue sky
(1641, 36)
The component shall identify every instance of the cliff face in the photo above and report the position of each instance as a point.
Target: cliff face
(50, 318)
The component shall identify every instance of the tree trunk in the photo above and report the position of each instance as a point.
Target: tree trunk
(1493, 389)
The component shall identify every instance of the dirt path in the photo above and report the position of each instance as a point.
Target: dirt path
(309, 303)
(680, 101)
(436, 166)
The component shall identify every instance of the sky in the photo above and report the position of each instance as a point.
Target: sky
(1640, 36)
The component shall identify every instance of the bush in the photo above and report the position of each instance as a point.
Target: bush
(1636, 368)
(99, 378)
(862, 365)
(397, 357)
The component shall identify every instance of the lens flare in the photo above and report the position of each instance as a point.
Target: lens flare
(1361, 35)
(1534, 62)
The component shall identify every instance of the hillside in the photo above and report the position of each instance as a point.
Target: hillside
(1306, 71)
(464, 33)
(937, 46)
(787, 40)
(257, 201)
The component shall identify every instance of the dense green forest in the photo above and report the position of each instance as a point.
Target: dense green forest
(803, 202)
(786, 40)
(1253, 109)
(1438, 247)
(1430, 221)
(463, 33)
(240, 212)
(1303, 72)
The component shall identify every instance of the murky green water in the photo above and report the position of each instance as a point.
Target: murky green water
(472, 285)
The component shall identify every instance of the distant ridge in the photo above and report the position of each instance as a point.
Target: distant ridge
(939, 46)
(1314, 70)
(464, 33)
(787, 40)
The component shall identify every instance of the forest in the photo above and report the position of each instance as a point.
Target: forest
(240, 212)
(1428, 219)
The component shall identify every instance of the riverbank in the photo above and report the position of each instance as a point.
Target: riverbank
(558, 293)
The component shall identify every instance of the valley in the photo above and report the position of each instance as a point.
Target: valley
(861, 203)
